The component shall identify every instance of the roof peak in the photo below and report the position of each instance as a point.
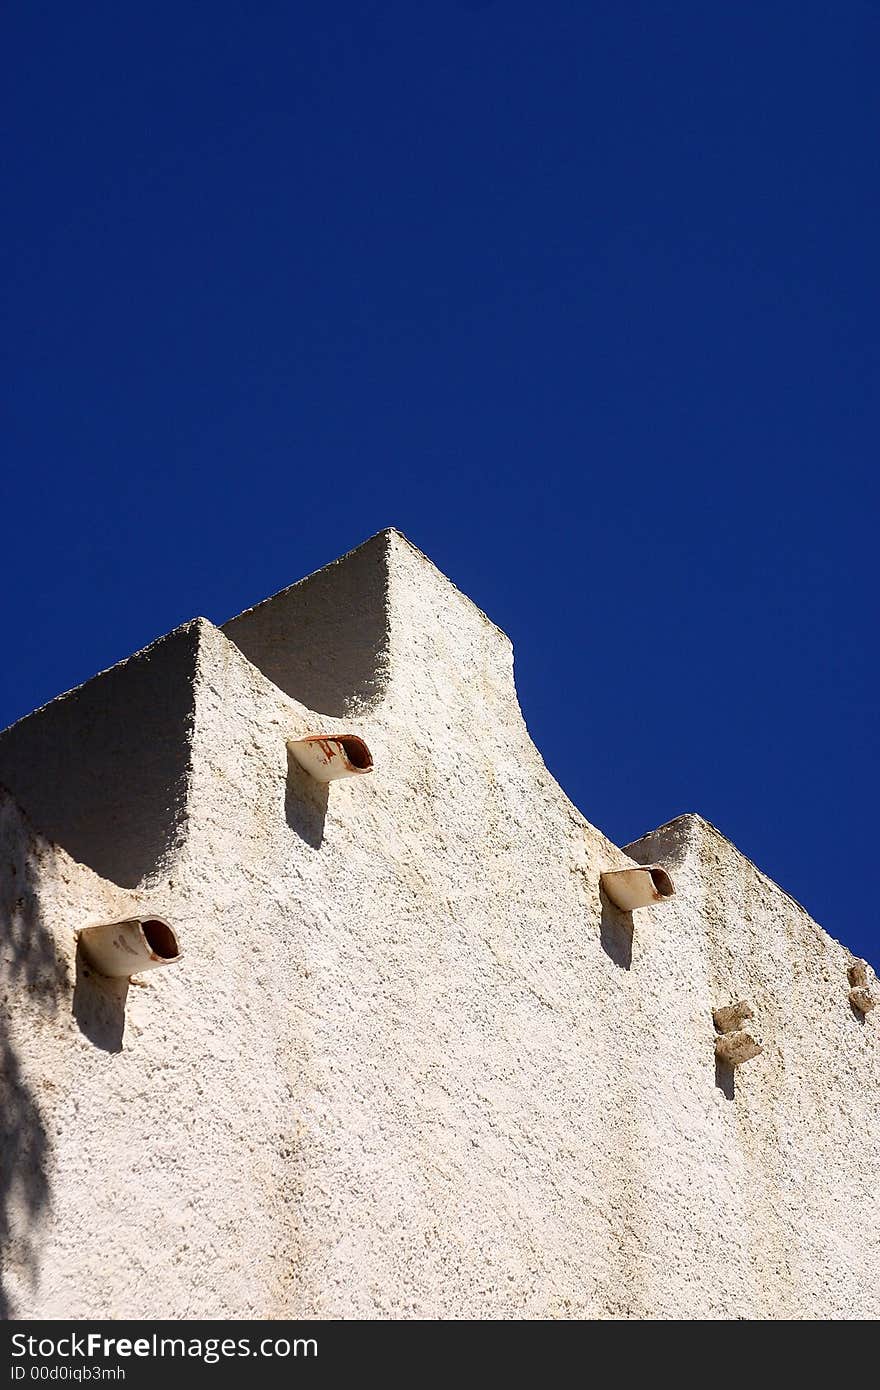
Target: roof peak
(328, 639)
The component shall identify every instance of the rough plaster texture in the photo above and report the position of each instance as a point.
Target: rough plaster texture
(411, 1065)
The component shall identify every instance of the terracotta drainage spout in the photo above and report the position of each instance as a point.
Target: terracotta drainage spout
(120, 949)
(327, 757)
(641, 886)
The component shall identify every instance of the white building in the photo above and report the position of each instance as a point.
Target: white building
(414, 1062)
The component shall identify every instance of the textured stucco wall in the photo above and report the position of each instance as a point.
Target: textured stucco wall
(412, 1064)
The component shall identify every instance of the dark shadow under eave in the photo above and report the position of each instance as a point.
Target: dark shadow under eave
(325, 640)
(103, 771)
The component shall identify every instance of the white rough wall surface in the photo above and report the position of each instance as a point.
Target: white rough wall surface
(412, 1065)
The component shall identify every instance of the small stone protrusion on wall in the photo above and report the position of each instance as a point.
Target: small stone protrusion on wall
(861, 996)
(735, 1042)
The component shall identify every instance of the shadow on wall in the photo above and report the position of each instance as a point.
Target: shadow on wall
(616, 933)
(305, 803)
(103, 770)
(324, 641)
(99, 1006)
(724, 1078)
(32, 968)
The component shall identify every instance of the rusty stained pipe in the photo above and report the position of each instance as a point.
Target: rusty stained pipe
(641, 886)
(328, 757)
(121, 949)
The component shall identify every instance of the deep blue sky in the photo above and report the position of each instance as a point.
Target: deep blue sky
(582, 297)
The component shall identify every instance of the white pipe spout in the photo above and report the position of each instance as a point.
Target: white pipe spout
(641, 886)
(121, 949)
(327, 757)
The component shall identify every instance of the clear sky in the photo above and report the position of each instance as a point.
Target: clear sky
(583, 297)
